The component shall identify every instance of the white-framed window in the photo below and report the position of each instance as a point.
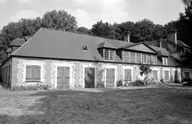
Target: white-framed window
(33, 73)
(165, 60)
(108, 54)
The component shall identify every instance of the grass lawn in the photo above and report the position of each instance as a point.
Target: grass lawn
(165, 105)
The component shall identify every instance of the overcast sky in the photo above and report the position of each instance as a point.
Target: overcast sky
(88, 12)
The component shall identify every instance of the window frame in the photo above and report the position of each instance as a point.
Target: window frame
(105, 73)
(126, 54)
(132, 57)
(33, 77)
(110, 53)
(165, 74)
(128, 67)
(130, 75)
(156, 79)
(165, 60)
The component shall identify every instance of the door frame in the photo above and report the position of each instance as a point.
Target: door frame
(110, 67)
(84, 75)
(70, 73)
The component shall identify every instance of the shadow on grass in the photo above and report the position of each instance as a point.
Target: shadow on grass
(158, 105)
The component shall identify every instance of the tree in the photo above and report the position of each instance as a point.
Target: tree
(144, 30)
(83, 30)
(105, 30)
(59, 20)
(123, 29)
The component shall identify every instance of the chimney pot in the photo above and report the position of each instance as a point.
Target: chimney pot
(127, 37)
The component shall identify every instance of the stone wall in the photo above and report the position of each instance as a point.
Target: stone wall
(49, 71)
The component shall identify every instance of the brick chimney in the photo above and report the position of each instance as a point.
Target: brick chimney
(127, 37)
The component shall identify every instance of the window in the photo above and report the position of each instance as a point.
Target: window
(148, 59)
(153, 59)
(127, 75)
(186, 75)
(144, 58)
(109, 54)
(110, 77)
(84, 47)
(33, 73)
(132, 56)
(126, 57)
(165, 60)
(138, 58)
(155, 74)
(166, 75)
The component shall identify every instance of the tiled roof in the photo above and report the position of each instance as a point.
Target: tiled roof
(162, 51)
(64, 45)
(106, 44)
(48, 43)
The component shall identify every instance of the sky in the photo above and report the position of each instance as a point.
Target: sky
(88, 12)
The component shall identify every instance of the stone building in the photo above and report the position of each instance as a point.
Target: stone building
(62, 59)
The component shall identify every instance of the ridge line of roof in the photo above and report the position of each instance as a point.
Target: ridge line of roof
(76, 33)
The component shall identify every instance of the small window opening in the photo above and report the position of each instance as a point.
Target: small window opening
(84, 47)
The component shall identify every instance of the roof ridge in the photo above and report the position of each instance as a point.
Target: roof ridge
(76, 33)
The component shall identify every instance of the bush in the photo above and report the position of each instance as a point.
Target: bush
(119, 83)
(101, 84)
(137, 83)
(30, 87)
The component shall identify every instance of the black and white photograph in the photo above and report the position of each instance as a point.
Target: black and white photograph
(95, 61)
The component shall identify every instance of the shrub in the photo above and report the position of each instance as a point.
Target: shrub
(126, 83)
(101, 84)
(30, 87)
(137, 83)
(119, 83)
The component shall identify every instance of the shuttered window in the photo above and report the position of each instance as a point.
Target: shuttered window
(110, 77)
(155, 74)
(138, 57)
(166, 75)
(33, 73)
(126, 57)
(153, 59)
(132, 54)
(144, 58)
(127, 75)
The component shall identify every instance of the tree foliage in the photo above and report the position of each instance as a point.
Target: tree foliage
(59, 20)
(103, 30)
(84, 30)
